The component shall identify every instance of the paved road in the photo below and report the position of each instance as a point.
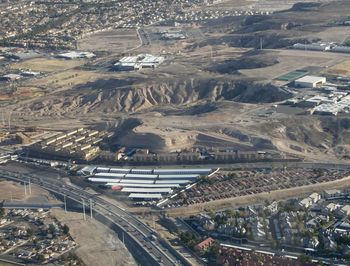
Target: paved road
(161, 253)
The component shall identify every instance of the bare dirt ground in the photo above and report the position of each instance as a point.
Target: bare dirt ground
(186, 102)
(264, 5)
(290, 60)
(12, 190)
(114, 41)
(47, 64)
(342, 68)
(258, 198)
(98, 245)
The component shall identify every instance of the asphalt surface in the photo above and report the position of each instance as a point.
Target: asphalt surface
(162, 254)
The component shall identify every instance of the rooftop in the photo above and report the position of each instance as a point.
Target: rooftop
(311, 79)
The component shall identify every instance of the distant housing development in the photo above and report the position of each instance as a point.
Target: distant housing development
(80, 144)
(138, 62)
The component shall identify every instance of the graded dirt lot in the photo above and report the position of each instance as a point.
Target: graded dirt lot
(47, 64)
(114, 41)
(98, 245)
(12, 190)
(289, 60)
(340, 69)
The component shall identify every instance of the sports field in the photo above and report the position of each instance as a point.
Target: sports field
(293, 75)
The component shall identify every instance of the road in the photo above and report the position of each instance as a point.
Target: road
(160, 252)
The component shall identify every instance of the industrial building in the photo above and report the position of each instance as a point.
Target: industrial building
(312, 46)
(333, 108)
(80, 144)
(341, 49)
(173, 35)
(144, 184)
(138, 62)
(327, 109)
(145, 196)
(310, 82)
(10, 77)
(76, 55)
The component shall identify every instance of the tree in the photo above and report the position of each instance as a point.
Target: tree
(41, 257)
(230, 213)
(2, 212)
(65, 229)
(305, 258)
(213, 251)
(30, 232)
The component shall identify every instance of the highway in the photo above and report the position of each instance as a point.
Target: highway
(155, 248)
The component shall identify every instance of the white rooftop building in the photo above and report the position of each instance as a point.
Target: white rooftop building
(319, 46)
(75, 55)
(138, 62)
(310, 82)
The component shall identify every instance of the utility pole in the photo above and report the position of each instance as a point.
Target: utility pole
(261, 43)
(30, 186)
(84, 209)
(65, 203)
(90, 208)
(25, 189)
(123, 238)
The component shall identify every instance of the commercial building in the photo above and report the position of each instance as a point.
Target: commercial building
(10, 77)
(173, 35)
(138, 62)
(310, 82)
(145, 196)
(341, 49)
(141, 182)
(147, 190)
(76, 55)
(312, 46)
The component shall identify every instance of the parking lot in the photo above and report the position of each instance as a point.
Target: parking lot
(253, 182)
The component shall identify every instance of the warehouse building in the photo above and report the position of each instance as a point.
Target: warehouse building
(310, 82)
(143, 184)
(145, 196)
(341, 49)
(76, 55)
(147, 190)
(10, 77)
(138, 62)
(312, 46)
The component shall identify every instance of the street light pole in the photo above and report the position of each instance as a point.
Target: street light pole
(84, 209)
(90, 208)
(65, 203)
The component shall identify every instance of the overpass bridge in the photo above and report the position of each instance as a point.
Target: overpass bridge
(136, 234)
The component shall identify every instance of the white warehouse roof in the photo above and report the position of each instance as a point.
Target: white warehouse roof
(182, 171)
(140, 176)
(147, 190)
(173, 181)
(142, 185)
(311, 79)
(119, 170)
(180, 176)
(109, 175)
(102, 169)
(135, 181)
(103, 180)
(145, 196)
